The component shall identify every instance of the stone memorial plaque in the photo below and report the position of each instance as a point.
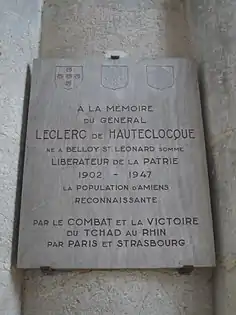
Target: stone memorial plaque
(115, 169)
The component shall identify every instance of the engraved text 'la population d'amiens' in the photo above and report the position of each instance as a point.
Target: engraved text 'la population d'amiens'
(115, 169)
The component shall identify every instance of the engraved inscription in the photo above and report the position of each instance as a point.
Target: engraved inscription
(115, 173)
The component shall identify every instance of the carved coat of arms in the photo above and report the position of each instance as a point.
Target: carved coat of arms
(68, 77)
(160, 77)
(114, 77)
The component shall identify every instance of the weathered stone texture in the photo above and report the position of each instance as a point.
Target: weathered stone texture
(118, 292)
(213, 25)
(142, 28)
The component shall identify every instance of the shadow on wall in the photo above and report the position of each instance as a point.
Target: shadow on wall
(20, 168)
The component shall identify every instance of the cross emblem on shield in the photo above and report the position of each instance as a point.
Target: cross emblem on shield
(68, 77)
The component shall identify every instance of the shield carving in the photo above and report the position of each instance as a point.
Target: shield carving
(114, 77)
(160, 77)
(68, 77)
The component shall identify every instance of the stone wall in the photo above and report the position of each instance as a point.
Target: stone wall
(70, 28)
(213, 26)
(142, 29)
(19, 40)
